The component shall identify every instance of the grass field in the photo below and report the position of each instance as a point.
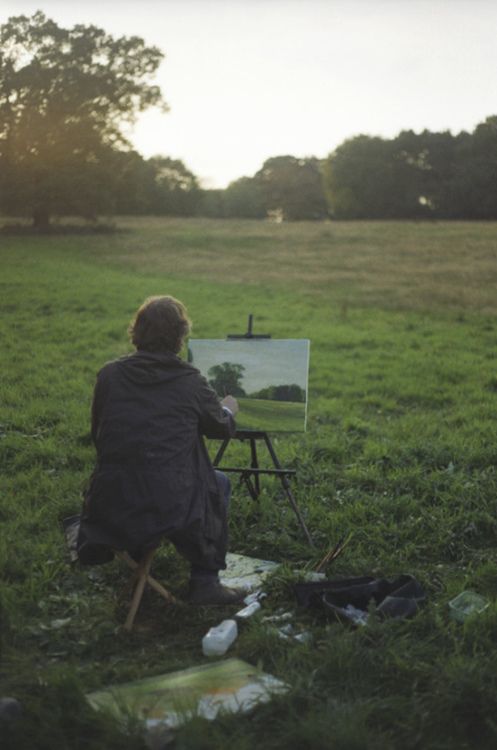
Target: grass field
(271, 416)
(400, 451)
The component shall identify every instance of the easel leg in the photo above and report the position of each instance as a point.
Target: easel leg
(255, 465)
(220, 452)
(288, 490)
(245, 478)
(253, 486)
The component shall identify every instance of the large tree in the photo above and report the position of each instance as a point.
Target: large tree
(65, 95)
(244, 199)
(293, 188)
(174, 190)
(212, 203)
(359, 178)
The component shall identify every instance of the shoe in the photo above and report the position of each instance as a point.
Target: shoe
(214, 593)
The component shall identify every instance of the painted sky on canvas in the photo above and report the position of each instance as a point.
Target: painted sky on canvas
(266, 362)
(249, 79)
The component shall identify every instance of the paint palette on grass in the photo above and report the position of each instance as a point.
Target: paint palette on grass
(170, 700)
(245, 572)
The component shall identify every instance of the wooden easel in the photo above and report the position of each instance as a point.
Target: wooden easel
(250, 475)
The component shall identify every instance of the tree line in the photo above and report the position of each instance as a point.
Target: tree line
(65, 95)
(424, 175)
(228, 378)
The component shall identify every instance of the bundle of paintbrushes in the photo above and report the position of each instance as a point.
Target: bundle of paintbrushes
(333, 553)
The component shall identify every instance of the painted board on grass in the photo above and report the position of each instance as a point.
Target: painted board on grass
(268, 377)
(172, 699)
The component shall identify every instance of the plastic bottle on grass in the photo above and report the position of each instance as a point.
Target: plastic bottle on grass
(218, 639)
(248, 611)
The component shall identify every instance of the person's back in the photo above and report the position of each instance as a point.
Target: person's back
(150, 407)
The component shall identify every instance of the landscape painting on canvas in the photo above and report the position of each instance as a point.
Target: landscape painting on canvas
(268, 377)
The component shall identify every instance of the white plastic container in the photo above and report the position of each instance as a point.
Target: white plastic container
(218, 639)
(248, 611)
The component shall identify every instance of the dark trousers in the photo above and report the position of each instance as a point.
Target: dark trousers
(197, 571)
(207, 553)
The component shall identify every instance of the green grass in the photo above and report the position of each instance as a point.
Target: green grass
(400, 451)
(270, 416)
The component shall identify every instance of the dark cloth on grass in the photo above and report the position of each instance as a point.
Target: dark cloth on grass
(153, 477)
(399, 598)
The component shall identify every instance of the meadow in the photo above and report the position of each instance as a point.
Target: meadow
(272, 416)
(400, 453)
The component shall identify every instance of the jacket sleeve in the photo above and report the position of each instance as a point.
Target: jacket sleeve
(215, 422)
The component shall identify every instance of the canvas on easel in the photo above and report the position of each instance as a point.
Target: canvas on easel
(268, 377)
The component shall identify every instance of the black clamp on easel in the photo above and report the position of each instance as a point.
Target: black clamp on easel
(250, 476)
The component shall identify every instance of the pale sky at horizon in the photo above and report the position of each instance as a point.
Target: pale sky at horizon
(250, 79)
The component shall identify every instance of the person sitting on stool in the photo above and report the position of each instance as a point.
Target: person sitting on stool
(153, 477)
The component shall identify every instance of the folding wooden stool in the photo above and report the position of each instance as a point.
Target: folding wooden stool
(141, 577)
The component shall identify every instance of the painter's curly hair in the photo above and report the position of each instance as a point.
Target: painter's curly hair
(160, 325)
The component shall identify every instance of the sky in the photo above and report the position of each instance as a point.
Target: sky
(246, 80)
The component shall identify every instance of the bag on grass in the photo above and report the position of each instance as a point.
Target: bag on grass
(348, 599)
(80, 548)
